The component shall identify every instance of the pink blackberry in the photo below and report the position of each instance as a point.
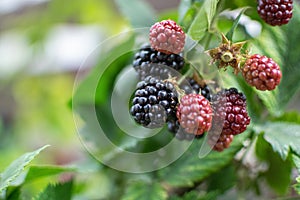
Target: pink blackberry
(166, 36)
(275, 12)
(261, 72)
(194, 114)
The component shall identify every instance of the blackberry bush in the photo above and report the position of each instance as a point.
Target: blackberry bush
(228, 158)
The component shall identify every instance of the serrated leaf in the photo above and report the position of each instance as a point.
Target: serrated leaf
(138, 12)
(190, 168)
(279, 171)
(229, 35)
(39, 171)
(58, 191)
(282, 136)
(297, 185)
(203, 20)
(144, 191)
(296, 160)
(17, 167)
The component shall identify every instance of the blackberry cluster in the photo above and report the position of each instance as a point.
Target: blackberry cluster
(275, 13)
(230, 117)
(261, 72)
(154, 102)
(166, 36)
(148, 61)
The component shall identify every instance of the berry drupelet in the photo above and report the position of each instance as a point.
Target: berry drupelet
(166, 36)
(154, 102)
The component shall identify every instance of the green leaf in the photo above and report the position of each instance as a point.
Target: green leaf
(61, 191)
(190, 168)
(38, 171)
(293, 117)
(13, 193)
(139, 12)
(269, 99)
(184, 7)
(296, 160)
(196, 195)
(144, 191)
(229, 35)
(17, 167)
(297, 185)
(279, 171)
(92, 90)
(203, 20)
(222, 180)
(282, 136)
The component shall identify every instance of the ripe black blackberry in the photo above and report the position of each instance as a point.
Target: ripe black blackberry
(230, 112)
(148, 61)
(179, 133)
(195, 87)
(275, 13)
(154, 102)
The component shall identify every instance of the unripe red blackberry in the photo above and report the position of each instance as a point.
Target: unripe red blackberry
(194, 114)
(219, 142)
(148, 61)
(154, 102)
(166, 36)
(275, 12)
(261, 72)
(230, 112)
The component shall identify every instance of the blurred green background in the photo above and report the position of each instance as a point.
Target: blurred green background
(42, 45)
